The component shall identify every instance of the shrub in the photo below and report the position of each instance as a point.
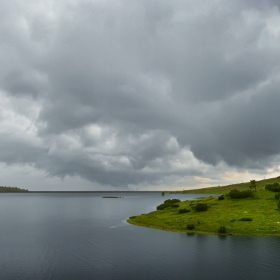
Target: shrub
(190, 226)
(273, 187)
(222, 229)
(236, 194)
(245, 219)
(201, 207)
(253, 184)
(174, 205)
(184, 210)
(277, 195)
(162, 206)
(221, 197)
(168, 203)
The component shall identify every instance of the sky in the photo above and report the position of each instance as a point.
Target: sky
(138, 94)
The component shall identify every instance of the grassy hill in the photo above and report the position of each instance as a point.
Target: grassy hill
(250, 216)
(228, 188)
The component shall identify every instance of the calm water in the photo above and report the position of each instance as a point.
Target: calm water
(84, 236)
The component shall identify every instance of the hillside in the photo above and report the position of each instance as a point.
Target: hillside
(228, 188)
(250, 216)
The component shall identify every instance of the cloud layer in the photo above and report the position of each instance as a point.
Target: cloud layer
(140, 93)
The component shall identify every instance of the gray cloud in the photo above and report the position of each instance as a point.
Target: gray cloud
(121, 90)
(245, 131)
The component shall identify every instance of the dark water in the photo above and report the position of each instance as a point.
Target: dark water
(84, 236)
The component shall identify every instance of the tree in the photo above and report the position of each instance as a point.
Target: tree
(253, 184)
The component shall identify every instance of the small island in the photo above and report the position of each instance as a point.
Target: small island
(251, 208)
(111, 197)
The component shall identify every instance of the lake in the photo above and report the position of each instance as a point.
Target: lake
(85, 236)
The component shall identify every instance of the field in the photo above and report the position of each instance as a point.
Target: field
(260, 213)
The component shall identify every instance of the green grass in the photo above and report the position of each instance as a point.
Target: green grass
(262, 209)
(226, 189)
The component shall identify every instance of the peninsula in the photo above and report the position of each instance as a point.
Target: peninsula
(251, 208)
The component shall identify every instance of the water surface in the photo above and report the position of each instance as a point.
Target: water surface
(85, 236)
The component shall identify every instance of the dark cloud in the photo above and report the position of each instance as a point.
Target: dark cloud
(120, 90)
(245, 131)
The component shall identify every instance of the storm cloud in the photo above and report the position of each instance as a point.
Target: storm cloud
(133, 94)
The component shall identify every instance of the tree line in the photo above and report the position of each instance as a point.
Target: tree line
(11, 189)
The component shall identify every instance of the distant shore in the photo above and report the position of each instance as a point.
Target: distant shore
(17, 190)
(94, 192)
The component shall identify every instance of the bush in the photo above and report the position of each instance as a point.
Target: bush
(236, 194)
(190, 226)
(221, 197)
(273, 187)
(277, 195)
(201, 207)
(174, 205)
(245, 219)
(168, 203)
(184, 210)
(222, 229)
(253, 184)
(162, 206)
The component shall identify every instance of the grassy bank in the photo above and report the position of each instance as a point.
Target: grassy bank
(228, 188)
(251, 216)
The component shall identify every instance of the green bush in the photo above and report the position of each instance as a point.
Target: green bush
(190, 226)
(201, 207)
(168, 203)
(162, 206)
(184, 210)
(273, 187)
(221, 197)
(222, 229)
(236, 194)
(245, 219)
(253, 184)
(277, 195)
(175, 205)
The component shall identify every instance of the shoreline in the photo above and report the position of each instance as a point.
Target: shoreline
(204, 233)
(253, 216)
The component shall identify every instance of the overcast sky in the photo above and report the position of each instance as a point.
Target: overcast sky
(138, 94)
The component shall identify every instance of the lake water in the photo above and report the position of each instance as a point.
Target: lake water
(85, 236)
